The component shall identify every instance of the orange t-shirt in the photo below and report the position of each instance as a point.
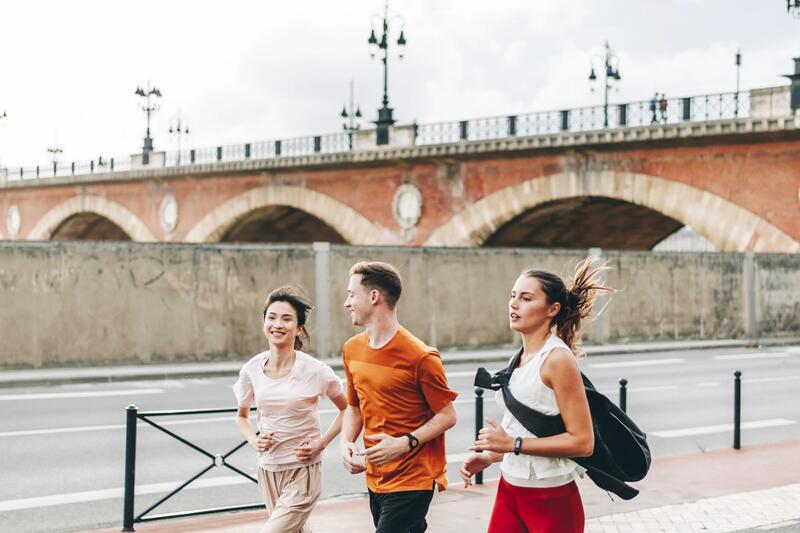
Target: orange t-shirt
(398, 388)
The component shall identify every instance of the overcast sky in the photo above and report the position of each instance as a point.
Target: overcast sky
(242, 71)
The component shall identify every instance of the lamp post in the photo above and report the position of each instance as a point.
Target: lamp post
(351, 115)
(611, 68)
(54, 151)
(793, 8)
(149, 105)
(179, 129)
(738, 73)
(385, 118)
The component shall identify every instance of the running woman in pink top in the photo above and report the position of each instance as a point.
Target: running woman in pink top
(286, 385)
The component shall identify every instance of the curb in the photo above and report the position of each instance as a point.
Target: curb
(113, 374)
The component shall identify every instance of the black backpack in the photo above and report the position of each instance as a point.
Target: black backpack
(621, 452)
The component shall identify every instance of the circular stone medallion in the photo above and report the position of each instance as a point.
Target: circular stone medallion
(407, 205)
(169, 213)
(14, 220)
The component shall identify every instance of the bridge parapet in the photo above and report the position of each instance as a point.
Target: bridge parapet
(755, 111)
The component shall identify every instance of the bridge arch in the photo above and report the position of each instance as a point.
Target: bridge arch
(88, 204)
(728, 226)
(339, 218)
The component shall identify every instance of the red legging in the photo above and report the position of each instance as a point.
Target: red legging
(535, 510)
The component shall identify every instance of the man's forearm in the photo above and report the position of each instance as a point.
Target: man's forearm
(438, 424)
(352, 424)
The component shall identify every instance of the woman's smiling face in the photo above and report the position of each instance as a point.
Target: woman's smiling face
(280, 324)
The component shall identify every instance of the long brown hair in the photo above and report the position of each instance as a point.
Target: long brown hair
(293, 296)
(576, 300)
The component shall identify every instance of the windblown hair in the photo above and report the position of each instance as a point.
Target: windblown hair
(292, 295)
(575, 301)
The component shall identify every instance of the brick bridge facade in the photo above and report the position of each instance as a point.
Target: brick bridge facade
(736, 182)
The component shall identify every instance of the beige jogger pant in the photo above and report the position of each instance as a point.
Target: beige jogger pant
(290, 497)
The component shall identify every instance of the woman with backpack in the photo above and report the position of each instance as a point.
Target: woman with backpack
(537, 490)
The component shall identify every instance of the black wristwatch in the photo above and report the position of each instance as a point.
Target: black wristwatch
(517, 445)
(413, 442)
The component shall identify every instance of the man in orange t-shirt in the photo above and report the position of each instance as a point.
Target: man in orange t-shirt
(397, 392)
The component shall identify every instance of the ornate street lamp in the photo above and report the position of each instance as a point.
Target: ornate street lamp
(54, 152)
(351, 115)
(611, 73)
(149, 105)
(385, 118)
(179, 129)
(793, 7)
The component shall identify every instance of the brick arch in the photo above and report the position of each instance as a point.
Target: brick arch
(90, 203)
(352, 226)
(730, 227)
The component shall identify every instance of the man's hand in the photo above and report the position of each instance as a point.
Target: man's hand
(308, 450)
(264, 442)
(388, 448)
(349, 449)
(493, 439)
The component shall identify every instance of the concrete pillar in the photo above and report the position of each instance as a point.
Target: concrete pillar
(322, 298)
(749, 287)
(598, 333)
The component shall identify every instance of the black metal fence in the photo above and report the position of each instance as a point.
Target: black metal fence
(219, 460)
(703, 108)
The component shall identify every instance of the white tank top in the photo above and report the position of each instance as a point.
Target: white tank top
(527, 387)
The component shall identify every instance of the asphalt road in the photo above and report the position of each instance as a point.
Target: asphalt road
(63, 446)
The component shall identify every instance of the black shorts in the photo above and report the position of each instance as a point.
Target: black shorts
(400, 512)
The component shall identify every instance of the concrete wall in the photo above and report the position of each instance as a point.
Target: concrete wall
(96, 303)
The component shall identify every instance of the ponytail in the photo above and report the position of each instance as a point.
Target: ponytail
(575, 301)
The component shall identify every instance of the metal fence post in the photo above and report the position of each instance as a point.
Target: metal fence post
(277, 148)
(192, 156)
(565, 120)
(130, 467)
(623, 395)
(687, 108)
(512, 125)
(463, 130)
(219, 153)
(317, 144)
(623, 114)
(247, 151)
(737, 410)
(478, 424)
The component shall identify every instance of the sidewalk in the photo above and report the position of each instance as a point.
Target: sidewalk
(714, 492)
(51, 376)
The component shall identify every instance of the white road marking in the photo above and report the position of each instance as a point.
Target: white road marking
(770, 380)
(722, 428)
(152, 488)
(646, 362)
(754, 355)
(705, 384)
(87, 394)
(107, 494)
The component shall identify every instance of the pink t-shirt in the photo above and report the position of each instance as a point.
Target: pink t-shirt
(286, 406)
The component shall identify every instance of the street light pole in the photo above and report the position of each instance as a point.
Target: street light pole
(351, 114)
(179, 130)
(793, 8)
(611, 67)
(385, 118)
(738, 69)
(149, 106)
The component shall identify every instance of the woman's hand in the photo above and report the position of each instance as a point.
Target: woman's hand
(477, 462)
(263, 443)
(493, 439)
(308, 450)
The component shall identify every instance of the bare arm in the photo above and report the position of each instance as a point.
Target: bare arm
(438, 424)
(352, 424)
(336, 426)
(260, 443)
(560, 372)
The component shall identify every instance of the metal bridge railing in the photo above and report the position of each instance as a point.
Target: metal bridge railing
(702, 108)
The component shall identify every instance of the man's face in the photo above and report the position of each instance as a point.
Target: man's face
(358, 301)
